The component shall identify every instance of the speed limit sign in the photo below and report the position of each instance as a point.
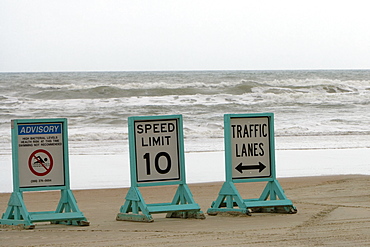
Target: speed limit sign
(155, 148)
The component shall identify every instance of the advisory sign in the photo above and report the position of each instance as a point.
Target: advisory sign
(248, 145)
(39, 153)
(156, 148)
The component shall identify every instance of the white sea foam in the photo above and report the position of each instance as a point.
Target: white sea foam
(332, 104)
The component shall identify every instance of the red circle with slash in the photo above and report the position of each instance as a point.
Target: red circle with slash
(40, 162)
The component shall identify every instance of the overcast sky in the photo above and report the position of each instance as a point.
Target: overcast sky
(106, 35)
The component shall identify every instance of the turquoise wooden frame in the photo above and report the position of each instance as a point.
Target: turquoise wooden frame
(272, 198)
(67, 211)
(182, 206)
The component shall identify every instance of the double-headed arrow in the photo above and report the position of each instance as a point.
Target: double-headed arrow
(241, 168)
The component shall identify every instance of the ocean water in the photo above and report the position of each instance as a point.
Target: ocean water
(314, 110)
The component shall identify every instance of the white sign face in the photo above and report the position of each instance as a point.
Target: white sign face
(40, 155)
(250, 147)
(157, 150)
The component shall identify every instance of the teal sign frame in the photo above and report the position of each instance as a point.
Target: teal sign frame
(41, 163)
(250, 157)
(156, 146)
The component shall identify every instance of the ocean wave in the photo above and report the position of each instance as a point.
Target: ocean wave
(97, 105)
(191, 87)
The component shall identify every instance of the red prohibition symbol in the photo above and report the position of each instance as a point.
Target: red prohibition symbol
(40, 162)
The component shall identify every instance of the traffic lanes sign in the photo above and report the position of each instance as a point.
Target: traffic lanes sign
(247, 142)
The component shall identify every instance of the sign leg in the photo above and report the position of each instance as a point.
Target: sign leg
(134, 208)
(184, 196)
(272, 199)
(228, 198)
(16, 214)
(68, 204)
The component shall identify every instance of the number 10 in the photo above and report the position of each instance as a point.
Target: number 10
(156, 163)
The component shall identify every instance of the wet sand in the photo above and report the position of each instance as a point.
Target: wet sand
(332, 211)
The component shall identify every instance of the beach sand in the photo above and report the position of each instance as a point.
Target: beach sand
(332, 211)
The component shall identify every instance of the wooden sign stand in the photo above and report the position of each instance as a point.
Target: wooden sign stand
(157, 140)
(39, 174)
(255, 134)
(182, 206)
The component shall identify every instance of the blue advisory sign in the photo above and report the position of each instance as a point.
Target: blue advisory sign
(37, 129)
(40, 154)
(40, 162)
